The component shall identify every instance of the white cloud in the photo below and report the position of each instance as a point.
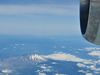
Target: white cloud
(60, 74)
(91, 48)
(88, 74)
(95, 53)
(39, 9)
(7, 71)
(42, 74)
(67, 57)
(88, 64)
(45, 68)
(50, 67)
(82, 71)
(53, 63)
(37, 71)
(81, 65)
(92, 67)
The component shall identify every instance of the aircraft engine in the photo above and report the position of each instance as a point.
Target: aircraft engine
(90, 20)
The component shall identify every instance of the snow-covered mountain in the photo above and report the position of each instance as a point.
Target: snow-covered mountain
(34, 58)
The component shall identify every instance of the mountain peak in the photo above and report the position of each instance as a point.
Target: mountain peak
(36, 58)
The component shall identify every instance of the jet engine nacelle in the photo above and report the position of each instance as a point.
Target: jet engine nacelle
(90, 20)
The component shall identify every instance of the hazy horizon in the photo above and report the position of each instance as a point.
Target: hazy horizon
(42, 17)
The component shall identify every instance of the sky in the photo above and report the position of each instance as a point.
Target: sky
(39, 17)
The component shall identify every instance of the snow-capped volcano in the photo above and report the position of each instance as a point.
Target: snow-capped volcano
(34, 58)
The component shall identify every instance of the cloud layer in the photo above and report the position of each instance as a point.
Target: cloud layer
(39, 9)
(67, 57)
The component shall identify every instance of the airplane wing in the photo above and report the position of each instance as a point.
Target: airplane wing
(90, 20)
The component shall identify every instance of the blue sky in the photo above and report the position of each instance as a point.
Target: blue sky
(39, 17)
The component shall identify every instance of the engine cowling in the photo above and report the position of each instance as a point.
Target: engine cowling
(90, 20)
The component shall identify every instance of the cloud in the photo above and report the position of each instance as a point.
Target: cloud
(93, 67)
(84, 63)
(39, 9)
(88, 74)
(82, 71)
(45, 68)
(53, 63)
(67, 57)
(6, 71)
(60, 74)
(95, 53)
(42, 74)
(90, 48)
(81, 65)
